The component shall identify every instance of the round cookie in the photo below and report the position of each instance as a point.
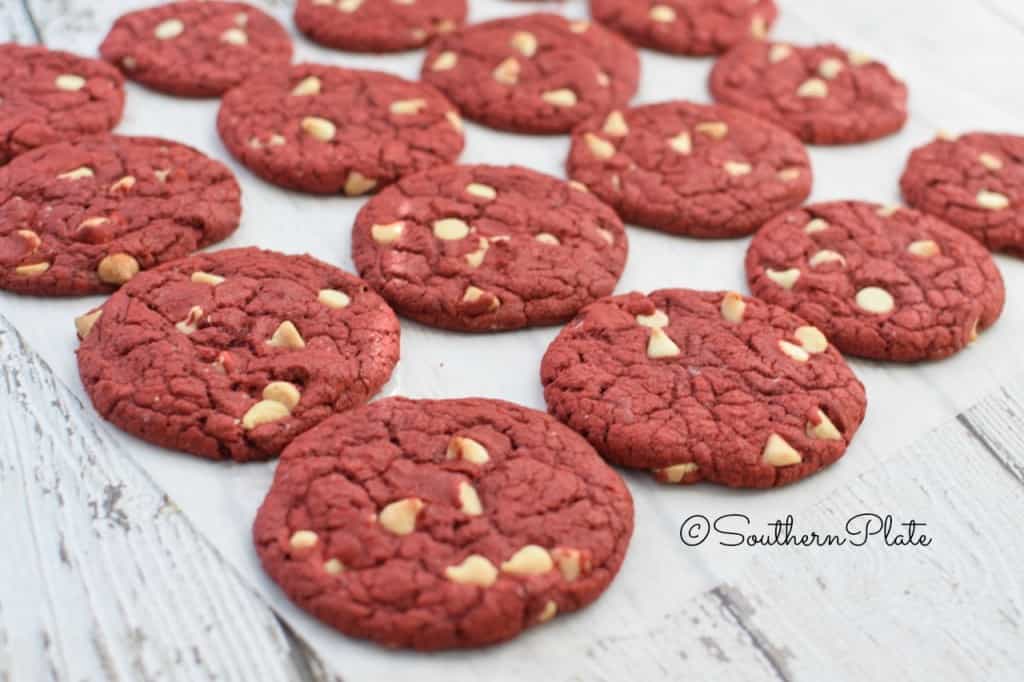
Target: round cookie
(84, 217)
(324, 129)
(483, 248)
(48, 96)
(881, 282)
(685, 168)
(538, 73)
(378, 25)
(691, 27)
(703, 386)
(230, 355)
(442, 524)
(196, 49)
(822, 94)
(974, 182)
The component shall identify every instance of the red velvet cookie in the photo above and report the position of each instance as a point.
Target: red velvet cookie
(539, 73)
(49, 96)
(324, 129)
(703, 171)
(232, 354)
(84, 217)
(823, 94)
(883, 283)
(703, 386)
(974, 182)
(693, 27)
(442, 524)
(378, 25)
(196, 49)
(483, 248)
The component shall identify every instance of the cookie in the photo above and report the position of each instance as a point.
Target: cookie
(442, 524)
(324, 129)
(196, 49)
(822, 94)
(483, 248)
(974, 182)
(703, 386)
(378, 25)
(881, 282)
(685, 168)
(538, 73)
(85, 217)
(230, 355)
(48, 96)
(692, 27)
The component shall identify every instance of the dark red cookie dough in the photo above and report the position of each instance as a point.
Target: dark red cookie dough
(232, 354)
(703, 386)
(823, 94)
(378, 25)
(84, 217)
(324, 129)
(538, 73)
(483, 248)
(49, 96)
(693, 27)
(974, 182)
(196, 49)
(880, 282)
(442, 524)
(703, 171)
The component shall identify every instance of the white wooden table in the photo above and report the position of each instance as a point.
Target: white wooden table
(102, 577)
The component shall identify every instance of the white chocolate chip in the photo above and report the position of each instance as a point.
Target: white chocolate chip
(816, 225)
(830, 68)
(758, 27)
(778, 453)
(405, 107)
(606, 235)
(570, 562)
(319, 128)
(602, 79)
(655, 320)
(784, 278)
(888, 211)
(129, 63)
(31, 239)
(161, 174)
(117, 268)
(334, 567)
(779, 52)
(824, 429)
(356, 184)
(400, 517)
(482, 191)
(875, 300)
(450, 229)
(972, 335)
(925, 248)
(286, 336)
(241, 19)
(681, 143)
(733, 307)
(659, 345)
(445, 61)
(264, 412)
(993, 201)
(858, 58)
(474, 570)
(283, 392)
(234, 36)
(507, 72)
(547, 238)
(469, 501)
(303, 539)
(662, 14)
(200, 277)
(811, 339)
(475, 258)
(615, 125)
(549, 612)
(31, 270)
(467, 449)
(715, 129)
(125, 183)
(530, 560)
(563, 97)
(334, 299)
(789, 174)
(737, 168)
(794, 351)
(310, 85)
(677, 472)
(600, 148)
(579, 26)
(813, 87)
(387, 234)
(171, 28)
(445, 26)
(826, 256)
(191, 321)
(349, 6)
(990, 161)
(454, 120)
(84, 323)
(69, 82)
(474, 294)
(525, 42)
(76, 174)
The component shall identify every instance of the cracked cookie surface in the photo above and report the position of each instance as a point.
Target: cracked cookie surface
(881, 282)
(439, 524)
(378, 25)
(230, 355)
(822, 93)
(538, 73)
(84, 217)
(703, 386)
(196, 49)
(974, 182)
(692, 27)
(325, 129)
(692, 169)
(49, 96)
(481, 248)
